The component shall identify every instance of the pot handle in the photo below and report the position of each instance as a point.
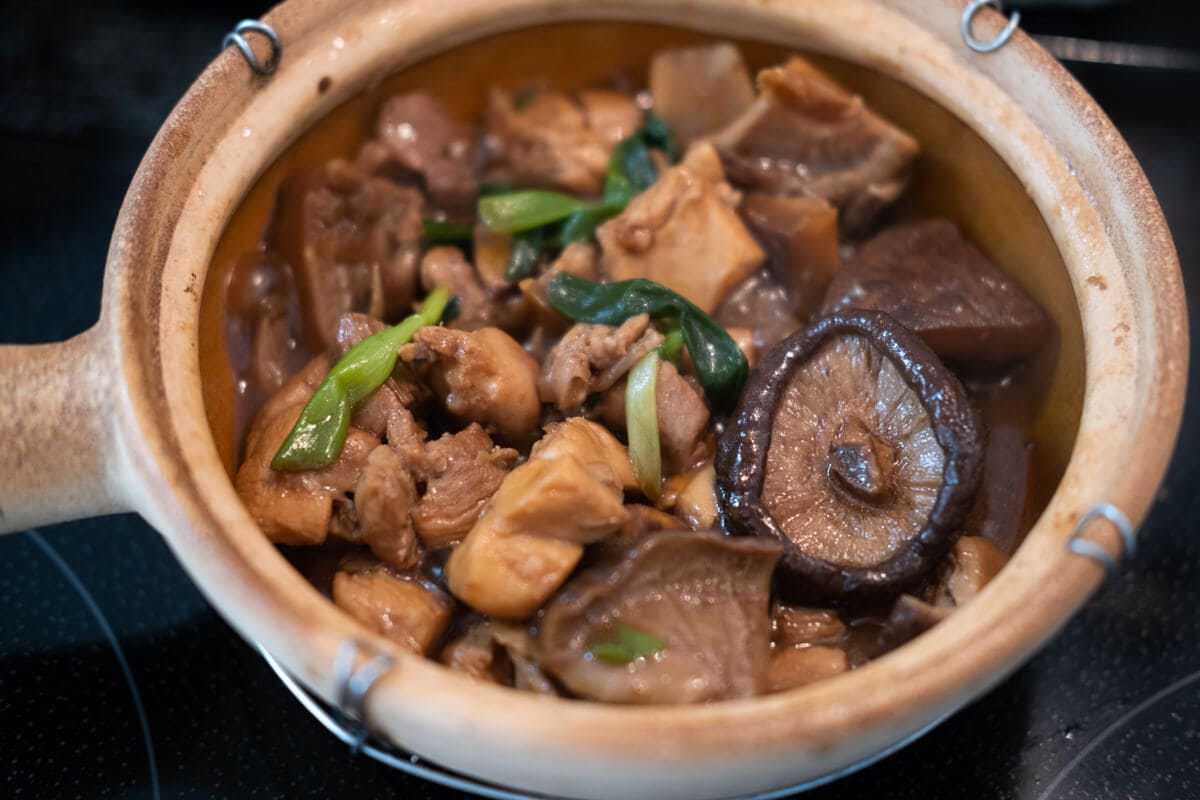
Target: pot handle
(59, 455)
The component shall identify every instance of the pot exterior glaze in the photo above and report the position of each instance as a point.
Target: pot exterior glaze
(145, 444)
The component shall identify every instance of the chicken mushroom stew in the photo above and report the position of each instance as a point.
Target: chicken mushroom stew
(639, 394)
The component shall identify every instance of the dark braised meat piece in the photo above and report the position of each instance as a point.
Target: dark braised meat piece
(699, 90)
(807, 136)
(936, 283)
(262, 311)
(414, 135)
(353, 242)
(702, 597)
(761, 305)
(856, 449)
(800, 235)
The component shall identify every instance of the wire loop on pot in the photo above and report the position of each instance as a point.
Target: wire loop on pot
(354, 683)
(968, 17)
(237, 39)
(1084, 547)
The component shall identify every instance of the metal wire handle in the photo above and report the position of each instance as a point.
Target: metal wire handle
(352, 736)
(968, 17)
(1089, 549)
(238, 40)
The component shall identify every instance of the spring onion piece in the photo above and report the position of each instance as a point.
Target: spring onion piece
(317, 438)
(629, 645)
(657, 134)
(641, 423)
(672, 347)
(630, 172)
(526, 250)
(439, 231)
(720, 364)
(520, 211)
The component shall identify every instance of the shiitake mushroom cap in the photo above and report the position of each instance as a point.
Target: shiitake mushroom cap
(742, 456)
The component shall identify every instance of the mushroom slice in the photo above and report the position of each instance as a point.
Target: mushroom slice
(699, 601)
(856, 449)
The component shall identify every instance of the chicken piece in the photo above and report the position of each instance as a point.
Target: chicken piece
(568, 494)
(383, 502)
(406, 610)
(975, 562)
(579, 259)
(611, 115)
(793, 667)
(296, 507)
(483, 376)
(593, 446)
(591, 358)
(551, 142)
(446, 266)
(696, 504)
(477, 655)
(682, 418)
(498, 653)
(402, 390)
(792, 626)
(459, 473)
(295, 391)
(532, 536)
(807, 136)
(684, 233)
(414, 134)
(354, 242)
(699, 90)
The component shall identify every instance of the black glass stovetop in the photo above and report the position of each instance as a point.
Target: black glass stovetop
(118, 680)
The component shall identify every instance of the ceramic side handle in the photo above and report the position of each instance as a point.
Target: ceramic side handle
(57, 436)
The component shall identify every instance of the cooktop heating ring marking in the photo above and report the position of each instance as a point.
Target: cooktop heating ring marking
(1115, 726)
(77, 584)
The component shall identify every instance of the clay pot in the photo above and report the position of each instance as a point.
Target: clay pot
(1016, 152)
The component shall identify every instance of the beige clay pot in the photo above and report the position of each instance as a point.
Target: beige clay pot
(115, 419)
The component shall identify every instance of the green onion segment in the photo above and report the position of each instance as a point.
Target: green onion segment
(317, 438)
(641, 424)
(439, 231)
(720, 364)
(628, 645)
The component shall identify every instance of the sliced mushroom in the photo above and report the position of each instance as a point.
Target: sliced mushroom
(699, 90)
(936, 283)
(701, 599)
(856, 449)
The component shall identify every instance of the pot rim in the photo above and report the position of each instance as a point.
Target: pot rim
(1020, 101)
